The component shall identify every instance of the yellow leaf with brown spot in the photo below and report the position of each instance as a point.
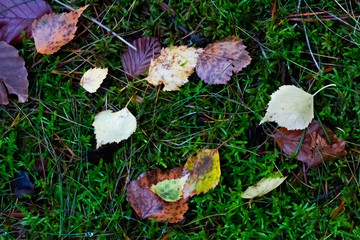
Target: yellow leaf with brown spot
(173, 67)
(53, 31)
(204, 171)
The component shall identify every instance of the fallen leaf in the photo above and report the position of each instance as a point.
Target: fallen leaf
(13, 74)
(113, 126)
(219, 60)
(16, 16)
(148, 204)
(315, 147)
(92, 79)
(22, 185)
(290, 107)
(138, 62)
(173, 67)
(263, 187)
(336, 211)
(170, 190)
(204, 171)
(53, 31)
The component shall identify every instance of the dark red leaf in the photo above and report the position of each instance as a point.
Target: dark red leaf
(138, 62)
(315, 147)
(148, 204)
(16, 15)
(13, 74)
(22, 185)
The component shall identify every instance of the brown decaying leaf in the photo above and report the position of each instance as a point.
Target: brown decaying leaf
(149, 205)
(13, 74)
(221, 59)
(53, 31)
(315, 148)
(16, 16)
(138, 62)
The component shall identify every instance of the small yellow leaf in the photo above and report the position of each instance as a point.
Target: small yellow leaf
(113, 126)
(170, 190)
(92, 79)
(290, 107)
(173, 67)
(262, 187)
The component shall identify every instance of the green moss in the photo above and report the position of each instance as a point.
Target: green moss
(77, 199)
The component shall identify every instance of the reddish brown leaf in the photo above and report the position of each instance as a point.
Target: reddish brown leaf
(149, 205)
(18, 15)
(53, 31)
(315, 147)
(138, 62)
(221, 59)
(13, 74)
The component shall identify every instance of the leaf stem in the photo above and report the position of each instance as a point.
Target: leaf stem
(98, 23)
(330, 85)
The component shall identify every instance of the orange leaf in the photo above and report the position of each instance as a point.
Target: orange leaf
(53, 31)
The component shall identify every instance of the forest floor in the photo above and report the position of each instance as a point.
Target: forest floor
(81, 193)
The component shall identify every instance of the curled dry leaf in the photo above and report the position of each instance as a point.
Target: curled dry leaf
(173, 67)
(315, 147)
(204, 171)
(92, 79)
(113, 126)
(16, 16)
(147, 204)
(138, 62)
(218, 61)
(13, 74)
(290, 107)
(53, 31)
(263, 187)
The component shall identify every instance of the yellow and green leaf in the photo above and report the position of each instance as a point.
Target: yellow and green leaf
(170, 190)
(204, 172)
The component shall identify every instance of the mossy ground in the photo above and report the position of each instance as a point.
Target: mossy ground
(78, 199)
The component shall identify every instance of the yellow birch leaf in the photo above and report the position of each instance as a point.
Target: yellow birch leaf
(290, 107)
(262, 187)
(113, 126)
(173, 67)
(204, 171)
(92, 79)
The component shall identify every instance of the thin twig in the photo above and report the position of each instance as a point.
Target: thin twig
(312, 55)
(98, 23)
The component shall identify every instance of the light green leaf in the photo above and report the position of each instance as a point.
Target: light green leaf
(170, 190)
